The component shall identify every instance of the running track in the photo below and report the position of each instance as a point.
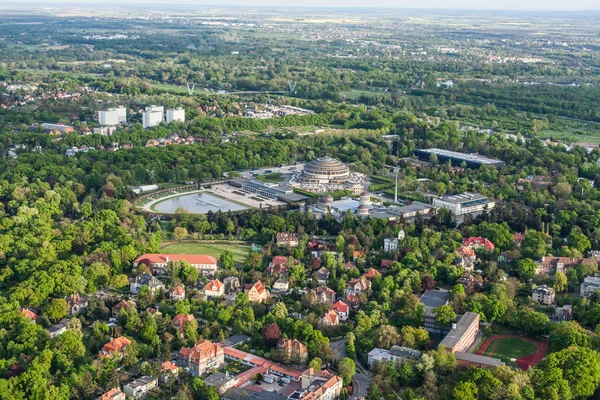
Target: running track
(524, 362)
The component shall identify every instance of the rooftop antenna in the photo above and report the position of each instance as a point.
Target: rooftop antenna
(190, 89)
(292, 86)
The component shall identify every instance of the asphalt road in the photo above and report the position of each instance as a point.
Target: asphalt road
(361, 379)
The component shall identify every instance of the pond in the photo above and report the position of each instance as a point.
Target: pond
(198, 203)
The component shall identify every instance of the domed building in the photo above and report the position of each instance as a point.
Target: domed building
(325, 170)
(325, 202)
(362, 210)
(365, 197)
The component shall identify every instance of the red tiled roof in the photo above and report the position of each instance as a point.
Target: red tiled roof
(352, 299)
(372, 274)
(386, 263)
(180, 320)
(29, 314)
(478, 242)
(340, 306)
(332, 317)
(178, 290)
(518, 237)
(282, 260)
(201, 352)
(190, 258)
(112, 394)
(168, 366)
(116, 345)
(214, 285)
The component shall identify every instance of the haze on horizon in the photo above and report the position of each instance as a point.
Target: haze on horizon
(506, 5)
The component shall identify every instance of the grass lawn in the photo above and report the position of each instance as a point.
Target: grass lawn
(211, 248)
(275, 178)
(508, 348)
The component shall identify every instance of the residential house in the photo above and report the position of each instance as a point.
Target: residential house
(158, 263)
(201, 358)
(320, 385)
(180, 320)
(214, 288)
(123, 304)
(278, 266)
(390, 244)
(168, 371)
(288, 239)
(256, 292)
(371, 274)
(551, 265)
(281, 285)
(232, 284)
(115, 348)
(564, 313)
(357, 286)
(352, 300)
(178, 293)
(153, 284)
(293, 349)
(342, 308)
(466, 257)
(590, 285)
(357, 254)
(543, 295)
(478, 242)
(30, 315)
(140, 387)
(57, 330)
(469, 282)
(322, 275)
(325, 295)
(386, 264)
(518, 238)
(397, 354)
(330, 318)
(113, 394)
(76, 304)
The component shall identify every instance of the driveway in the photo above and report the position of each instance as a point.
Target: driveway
(361, 379)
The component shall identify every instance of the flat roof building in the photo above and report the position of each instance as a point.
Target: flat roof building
(177, 114)
(463, 333)
(590, 285)
(153, 116)
(456, 158)
(432, 299)
(465, 203)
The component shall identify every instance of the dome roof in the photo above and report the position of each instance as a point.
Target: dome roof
(363, 207)
(365, 193)
(326, 199)
(326, 162)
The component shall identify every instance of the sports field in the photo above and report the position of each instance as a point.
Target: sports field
(524, 351)
(211, 248)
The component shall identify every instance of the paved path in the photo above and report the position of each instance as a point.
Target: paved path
(524, 362)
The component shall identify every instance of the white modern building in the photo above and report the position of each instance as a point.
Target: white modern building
(396, 354)
(177, 114)
(140, 387)
(390, 244)
(465, 203)
(590, 285)
(112, 116)
(153, 116)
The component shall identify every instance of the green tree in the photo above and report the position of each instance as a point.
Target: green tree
(568, 334)
(227, 259)
(465, 391)
(560, 281)
(56, 309)
(444, 315)
(347, 369)
(526, 268)
(316, 364)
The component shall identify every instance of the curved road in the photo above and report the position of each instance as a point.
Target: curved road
(361, 380)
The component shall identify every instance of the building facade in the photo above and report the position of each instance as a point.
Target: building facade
(176, 114)
(466, 203)
(153, 116)
(543, 295)
(589, 286)
(257, 292)
(205, 265)
(463, 333)
(201, 358)
(140, 387)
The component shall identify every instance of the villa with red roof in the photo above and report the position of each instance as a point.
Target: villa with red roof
(126, 304)
(330, 318)
(371, 274)
(201, 358)
(357, 286)
(30, 315)
(178, 293)
(518, 238)
(293, 349)
(257, 292)
(115, 348)
(478, 242)
(386, 264)
(321, 385)
(352, 299)
(158, 263)
(325, 295)
(342, 309)
(113, 394)
(180, 320)
(214, 288)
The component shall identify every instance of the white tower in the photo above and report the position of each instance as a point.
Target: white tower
(401, 234)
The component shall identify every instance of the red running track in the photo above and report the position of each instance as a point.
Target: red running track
(524, 362)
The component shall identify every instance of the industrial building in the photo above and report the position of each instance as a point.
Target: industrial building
(465, 203)
(153, 116)
(177, 114)
(456, 158)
